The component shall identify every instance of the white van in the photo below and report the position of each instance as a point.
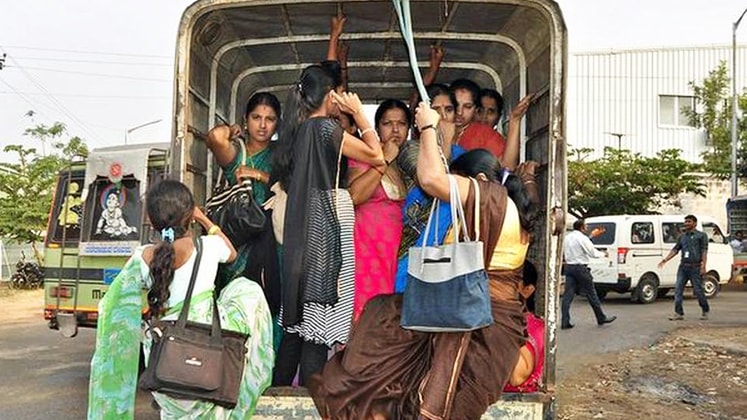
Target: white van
(636, 245)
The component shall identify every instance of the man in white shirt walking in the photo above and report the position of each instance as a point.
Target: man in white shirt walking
(577, 250)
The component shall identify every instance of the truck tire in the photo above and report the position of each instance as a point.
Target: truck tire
(647, 289)
(711, 287)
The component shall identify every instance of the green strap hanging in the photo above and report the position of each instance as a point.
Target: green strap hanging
(405, 24)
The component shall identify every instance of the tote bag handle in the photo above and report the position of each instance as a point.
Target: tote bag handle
(457, 212)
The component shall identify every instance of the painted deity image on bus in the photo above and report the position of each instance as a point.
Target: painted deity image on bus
(112, 221)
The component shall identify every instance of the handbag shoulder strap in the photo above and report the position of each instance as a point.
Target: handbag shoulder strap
(221, 180)
(182, 321)
(434, 210)
(457, 211)
(435, 203)
(476, 213)
(337, 177)
(242, 148)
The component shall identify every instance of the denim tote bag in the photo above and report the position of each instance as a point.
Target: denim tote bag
(447, 286)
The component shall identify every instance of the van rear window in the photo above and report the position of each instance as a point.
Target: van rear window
(67, 209)
(601, 233)
(112, 211)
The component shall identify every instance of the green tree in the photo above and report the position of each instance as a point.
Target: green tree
(622, 182)
(27, 186)
(713, 114)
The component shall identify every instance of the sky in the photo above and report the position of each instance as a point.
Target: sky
(104, 68)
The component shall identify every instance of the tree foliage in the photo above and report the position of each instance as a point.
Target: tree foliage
(622, 182)
(713, 114)
(27, 185)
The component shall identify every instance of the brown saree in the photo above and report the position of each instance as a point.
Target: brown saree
(393, 373)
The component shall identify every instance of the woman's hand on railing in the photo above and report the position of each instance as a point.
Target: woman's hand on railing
(426, 116)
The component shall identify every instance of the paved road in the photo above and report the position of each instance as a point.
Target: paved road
(43, 375)
(637, 325)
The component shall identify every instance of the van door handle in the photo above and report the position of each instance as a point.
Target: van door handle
(646, 254)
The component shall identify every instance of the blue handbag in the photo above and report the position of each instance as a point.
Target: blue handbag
(447, 286)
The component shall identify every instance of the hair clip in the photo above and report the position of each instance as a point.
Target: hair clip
(167, 234)
(504, 176)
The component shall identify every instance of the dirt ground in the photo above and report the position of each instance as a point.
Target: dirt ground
(20, 305)
(691, 373)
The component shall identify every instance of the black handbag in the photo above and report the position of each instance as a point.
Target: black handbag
(235, 210)
(196, 361)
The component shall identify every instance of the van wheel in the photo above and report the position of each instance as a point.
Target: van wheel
(711, 285)
(647, 289)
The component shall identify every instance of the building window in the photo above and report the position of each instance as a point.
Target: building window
(672, 110)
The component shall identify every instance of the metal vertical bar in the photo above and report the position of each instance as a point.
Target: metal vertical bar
(734, 105)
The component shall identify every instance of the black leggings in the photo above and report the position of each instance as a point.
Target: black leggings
(294, 351)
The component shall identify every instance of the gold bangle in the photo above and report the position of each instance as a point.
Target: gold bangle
(213, 230)
(363, 133)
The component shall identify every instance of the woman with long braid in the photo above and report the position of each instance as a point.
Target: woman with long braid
(165, 270)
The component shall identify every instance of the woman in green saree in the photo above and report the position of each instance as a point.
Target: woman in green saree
(261, 119)
(165, 270)
(257, 260)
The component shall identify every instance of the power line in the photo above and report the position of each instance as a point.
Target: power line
(115, 76)
(88, 52)
(55, 101)
(118, 63)
(36, 106)
(26, 99)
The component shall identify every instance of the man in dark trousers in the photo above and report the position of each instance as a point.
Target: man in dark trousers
(577, 249)
(694, 246)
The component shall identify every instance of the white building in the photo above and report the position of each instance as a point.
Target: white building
(632, 99)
